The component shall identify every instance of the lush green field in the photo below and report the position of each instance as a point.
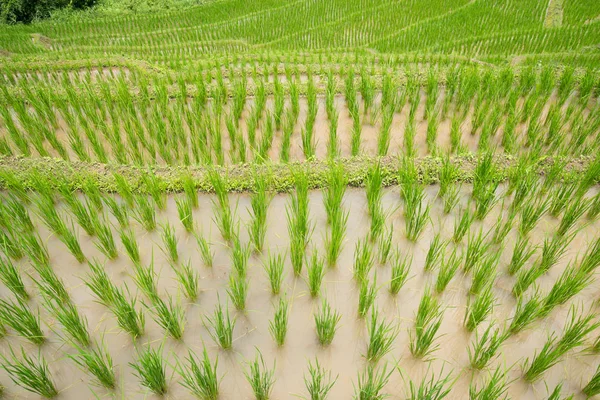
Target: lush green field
(302, 198)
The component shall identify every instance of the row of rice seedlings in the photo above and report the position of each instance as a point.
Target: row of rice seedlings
(114, 299)
(428, 320)
(573, 336)
(400, 270)
(381, 337)
(74, 325)
(572, 281)
(279, 325)
(326, 323)
(373, 187)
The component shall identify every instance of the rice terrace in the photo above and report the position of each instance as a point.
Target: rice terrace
(318, 199)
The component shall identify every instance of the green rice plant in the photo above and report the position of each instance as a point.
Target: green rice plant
(10, 247)
(105, 241)
(170, 317)
(124, 189)
(326, 322)
(82, 213)
(297, 250)
(259, 203)
(72, 243)
(447, 270)
(334, 192)
(238, 290)
(435, 252)
(200, 376)
(485, 272)
(128, 318)
(224, 219)
(74, 325)
(189, 188)
(594, 210)
(145, 213)
(260, 378)
(416, 218)
(145, 279)
(495, 388)
(188, 279)
(572, 281)
(526, 312)
(400, 269)
(279, 325)
(485, 347)
(373, 186)
(504, 224)
(431, 388)
(205, 253)
(185, 212)
(428, 320)
(11, 278)
(319, 382)
(21, 319)
(591, 258)
(363, 259)
(150, 369)
(462, 225)
(240, 255)
(32, 375)
(571, 215)
(221, 326)
(385, 245)
(593, 386)
(560, 197)
(371, 383)
(381, 337)
(154, 186)
(130, 244)
(97, 362)
(49, 284)
(366, 295)
(92, 192)
(573, 336)
(170, 243)
(532, 213)
(522, 252)
(100, 284)
(274, 269)
(448, 174)
(119, 210)
(479, 309)
(315, 274)
(335, 236)
(477, 247)
(451, 198)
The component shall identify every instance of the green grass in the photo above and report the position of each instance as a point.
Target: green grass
(199, 376)
(278, 326)
(32, 375)
(326, 322)
(260, 378)
(318, 382)
(381, 337)
(150, 369)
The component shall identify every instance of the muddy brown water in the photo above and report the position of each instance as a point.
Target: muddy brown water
(344, 357)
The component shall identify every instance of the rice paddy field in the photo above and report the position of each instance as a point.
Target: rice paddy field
(302, 199)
